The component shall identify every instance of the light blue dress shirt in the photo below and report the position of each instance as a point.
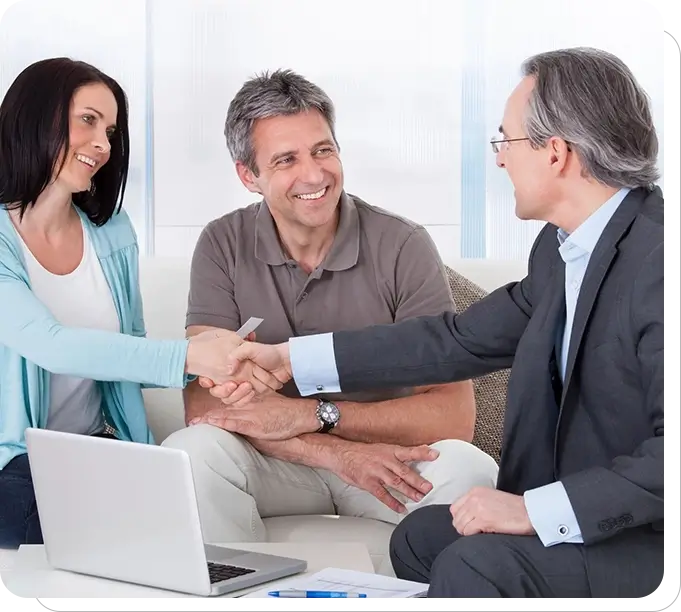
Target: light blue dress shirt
(314, 371)
(548, 507)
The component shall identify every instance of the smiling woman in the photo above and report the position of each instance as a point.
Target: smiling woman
(73, 351)
(58, 109)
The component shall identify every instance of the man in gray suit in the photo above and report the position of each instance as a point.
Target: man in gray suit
(579, 504)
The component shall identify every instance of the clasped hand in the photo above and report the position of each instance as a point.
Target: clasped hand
(250, 369)
(222, 360)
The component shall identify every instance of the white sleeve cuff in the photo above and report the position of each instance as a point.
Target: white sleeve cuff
(313, 363)
(552, 516)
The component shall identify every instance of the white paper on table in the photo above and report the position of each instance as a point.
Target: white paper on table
(334, 579)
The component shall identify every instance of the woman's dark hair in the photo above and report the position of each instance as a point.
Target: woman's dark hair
(34, 130)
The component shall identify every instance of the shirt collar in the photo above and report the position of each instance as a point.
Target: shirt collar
(344, 251)
(583, 240)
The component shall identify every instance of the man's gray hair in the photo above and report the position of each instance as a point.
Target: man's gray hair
(590, 99)
(283, 92)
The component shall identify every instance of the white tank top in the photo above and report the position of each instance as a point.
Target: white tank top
(79, 299)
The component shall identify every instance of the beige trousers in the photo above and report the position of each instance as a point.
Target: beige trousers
(237, 486)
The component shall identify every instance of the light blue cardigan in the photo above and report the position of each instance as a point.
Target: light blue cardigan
(33, 343)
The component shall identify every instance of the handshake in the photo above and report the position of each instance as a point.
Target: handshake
(235, 368)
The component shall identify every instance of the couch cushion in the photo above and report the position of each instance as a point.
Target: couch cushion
(375, 535)
(490, 390)
(165, 411)
(489, 274)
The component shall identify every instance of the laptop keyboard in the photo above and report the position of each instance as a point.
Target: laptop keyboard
(219, 572)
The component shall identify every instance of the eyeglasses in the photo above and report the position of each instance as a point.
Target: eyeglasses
(496, 143)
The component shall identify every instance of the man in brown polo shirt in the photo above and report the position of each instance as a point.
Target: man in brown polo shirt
(310, 258)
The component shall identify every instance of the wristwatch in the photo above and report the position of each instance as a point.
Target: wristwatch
(328, 416)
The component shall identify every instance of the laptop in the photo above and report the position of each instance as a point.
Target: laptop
(128, 512)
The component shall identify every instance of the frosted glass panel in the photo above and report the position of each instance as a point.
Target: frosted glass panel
(419, 89)
(391, 68)
(108, 34)
(511, 32)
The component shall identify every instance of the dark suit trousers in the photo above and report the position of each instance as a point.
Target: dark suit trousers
(425, 547)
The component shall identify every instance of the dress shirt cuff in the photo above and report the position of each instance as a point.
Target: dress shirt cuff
(552, 516)
(313, 362)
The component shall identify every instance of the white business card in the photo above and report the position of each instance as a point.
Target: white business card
(249, 326)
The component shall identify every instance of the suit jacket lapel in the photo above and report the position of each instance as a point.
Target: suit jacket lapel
(599, 264)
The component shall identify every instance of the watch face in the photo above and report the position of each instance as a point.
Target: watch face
(329, 412)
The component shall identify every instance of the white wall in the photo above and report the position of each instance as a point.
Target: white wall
(516, 30)
(397, 118)
(111, 35)
(394, 71)
(415, 84)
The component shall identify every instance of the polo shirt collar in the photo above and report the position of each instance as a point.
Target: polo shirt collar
(344, 251)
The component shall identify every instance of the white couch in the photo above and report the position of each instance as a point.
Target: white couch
(165, 283)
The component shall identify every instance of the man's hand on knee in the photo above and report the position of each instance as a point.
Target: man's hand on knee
(484, 510)
(376, 468)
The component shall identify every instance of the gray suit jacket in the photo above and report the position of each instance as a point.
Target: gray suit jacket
(602, 432)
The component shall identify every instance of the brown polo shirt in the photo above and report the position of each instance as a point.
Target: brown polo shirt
(381, 268)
